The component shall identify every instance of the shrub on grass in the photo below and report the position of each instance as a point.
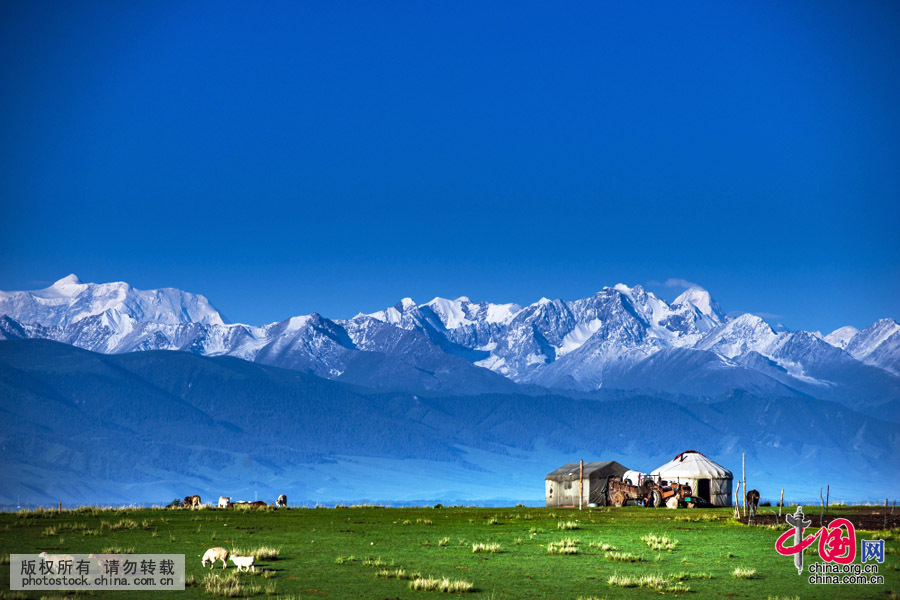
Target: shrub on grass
(391, 574)
(261, 553)
(228, 586)
(482, 547)
(342, 560)
(566, 546)
(742, 573)
(654, 582)
(602, 546)
(374, 562)
(120, 524)
(445, 584)
(567, 525)
(656, 542)
(623, 557)
(684, 576)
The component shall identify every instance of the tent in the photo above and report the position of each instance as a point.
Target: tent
(708, 480)
(561, 486)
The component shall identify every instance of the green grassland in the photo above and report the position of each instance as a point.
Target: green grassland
(502, 553)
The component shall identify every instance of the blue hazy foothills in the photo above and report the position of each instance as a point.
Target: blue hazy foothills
(284, 158)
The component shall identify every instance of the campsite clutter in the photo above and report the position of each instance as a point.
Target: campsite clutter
(689, 480)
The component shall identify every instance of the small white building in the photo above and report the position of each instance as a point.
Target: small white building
(561, 487)
(708, 480)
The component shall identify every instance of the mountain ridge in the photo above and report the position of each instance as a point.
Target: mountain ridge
(601, 341)
(144, 427)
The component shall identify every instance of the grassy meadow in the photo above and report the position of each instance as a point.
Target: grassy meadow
(441, 552)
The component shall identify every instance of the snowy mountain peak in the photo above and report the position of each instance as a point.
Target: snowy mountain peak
(839, 338)
(580, 344)
(68, 280)
(702, 300)
(70, 301)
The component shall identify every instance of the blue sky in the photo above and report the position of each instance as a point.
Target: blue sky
(283, 158)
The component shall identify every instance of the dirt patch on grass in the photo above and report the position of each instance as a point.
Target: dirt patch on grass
(862, 519)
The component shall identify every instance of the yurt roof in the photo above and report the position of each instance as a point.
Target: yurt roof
(570, 471)
(694, 465)
(635, 475)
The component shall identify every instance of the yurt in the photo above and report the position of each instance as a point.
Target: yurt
(708, 480)
(563, 484)
(634, 477)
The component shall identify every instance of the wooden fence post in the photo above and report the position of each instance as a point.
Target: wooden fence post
(781, 503)
(822, 508)
(581, 485)
(744, 479)
(827, 498)
(737, 502)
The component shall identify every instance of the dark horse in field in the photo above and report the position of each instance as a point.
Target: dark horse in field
(753, 501)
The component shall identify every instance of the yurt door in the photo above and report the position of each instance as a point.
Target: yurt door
(703, 489)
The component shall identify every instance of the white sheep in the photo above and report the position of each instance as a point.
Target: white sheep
(214, 554)
(243, 563)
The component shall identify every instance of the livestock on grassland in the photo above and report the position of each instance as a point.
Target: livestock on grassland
(215, 554)
(244, 563)
(752, 501)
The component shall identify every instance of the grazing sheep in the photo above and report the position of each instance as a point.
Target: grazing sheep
(223, 501)
(103, 560)
(244, 563)
(191, 501)
(258, 504)
(214, 554)
(282, 501)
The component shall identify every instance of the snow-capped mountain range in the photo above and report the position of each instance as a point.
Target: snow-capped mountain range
(620, 338)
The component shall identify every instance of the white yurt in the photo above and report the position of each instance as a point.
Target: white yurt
(634, 477)
(708, 480)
